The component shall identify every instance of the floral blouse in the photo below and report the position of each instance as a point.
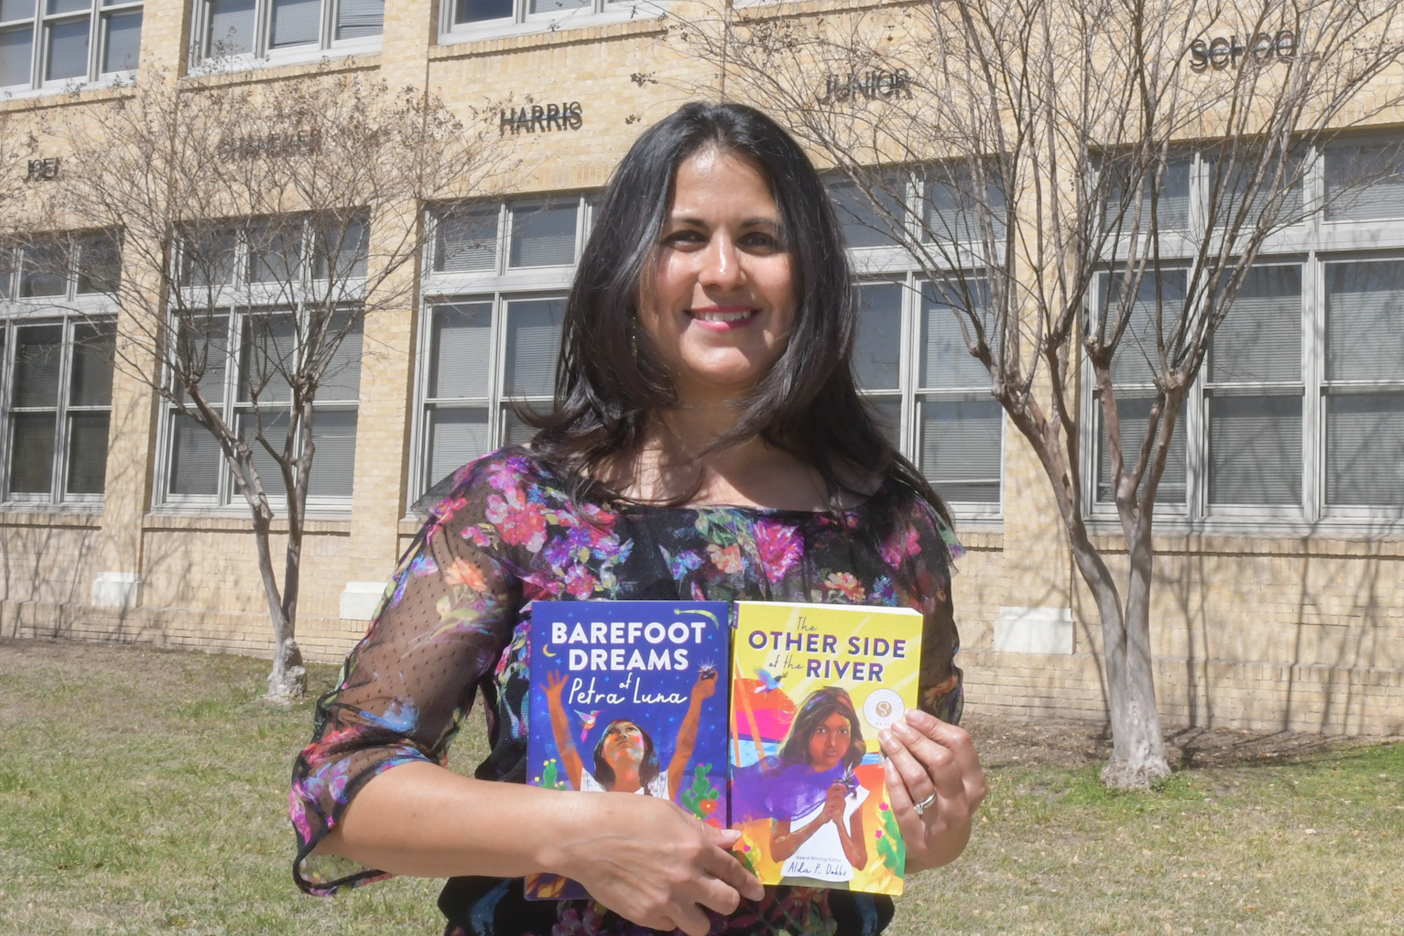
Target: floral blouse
(455, 618)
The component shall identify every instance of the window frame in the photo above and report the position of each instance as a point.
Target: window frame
(1311, 244)
(522, 21)
(237, 301)
(41, 22)
(497, 287)
(203, 51)
(70, 310)
(892, 263)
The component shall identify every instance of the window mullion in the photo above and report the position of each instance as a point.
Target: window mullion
(94, 40)
(1313, 367)
(6, 414)
(907, 363)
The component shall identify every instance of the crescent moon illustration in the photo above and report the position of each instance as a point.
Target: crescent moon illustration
(546, 650)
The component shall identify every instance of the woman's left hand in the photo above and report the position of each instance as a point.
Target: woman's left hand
(932, 762)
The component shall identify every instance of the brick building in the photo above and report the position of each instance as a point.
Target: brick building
(1279, 599)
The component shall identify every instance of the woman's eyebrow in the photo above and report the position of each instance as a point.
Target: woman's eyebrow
(691, 221)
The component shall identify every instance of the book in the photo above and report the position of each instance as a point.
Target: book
(812, 684)
(631, 696)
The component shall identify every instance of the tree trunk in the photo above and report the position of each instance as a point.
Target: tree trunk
(1138, 750)
(287, 681)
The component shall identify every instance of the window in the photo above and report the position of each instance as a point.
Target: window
(1298, 413)
(469, 19)
(497, 283)
(285, 28)
(56, 360)
(54, 43)
(252, 295)
(911, 359)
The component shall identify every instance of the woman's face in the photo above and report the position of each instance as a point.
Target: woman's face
(720, 298)
(623, 744)
(829, 742)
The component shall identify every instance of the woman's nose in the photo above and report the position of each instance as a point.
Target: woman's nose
(721, 265)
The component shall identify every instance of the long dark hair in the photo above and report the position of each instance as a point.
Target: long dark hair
(816, 709)
(610, 377)
(648, 767)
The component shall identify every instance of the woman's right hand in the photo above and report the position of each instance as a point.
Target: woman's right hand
(654, 863)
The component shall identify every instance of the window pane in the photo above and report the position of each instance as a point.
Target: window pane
(268, 355)
(15, 55)
(7, 263)
(1364, 182)
(357, 18)
(862, 224)
(68, 50)
(460, 351)
(946, 360)
(543, 234)
(38, 360)
(1364, 449)
(334, 461)
(209, 258)
(888, 413)
(456, 437)
(275, 251)
(960, 448)
(1364, 308)
(475, 11)
(87, 452)
(466, 241)
(953, 209)
(552, 6)
(878, 347)
(204, 352)
(90, 383)
(1255, 450)
(1158, 298)
(1273, 201)
(295, 22)
(16, 9)
(122, 44)
(342, 376)
(1261, 337)
(342, 246)
(99, 263)
(231, 27)
(195, 458)
(533, 345)
(32, 453)
(1134, 414)
(1171, 202)
(44, 271)
(55, 7)
(275, 431)
(514, 431)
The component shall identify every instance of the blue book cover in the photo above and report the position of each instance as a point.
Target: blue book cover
(629, 696)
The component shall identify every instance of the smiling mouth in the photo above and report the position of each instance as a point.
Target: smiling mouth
(722, 316)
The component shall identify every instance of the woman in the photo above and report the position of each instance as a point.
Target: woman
(707, 442)
(625, 758)
(820, 838)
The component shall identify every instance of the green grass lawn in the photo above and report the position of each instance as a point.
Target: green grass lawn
(144, 792)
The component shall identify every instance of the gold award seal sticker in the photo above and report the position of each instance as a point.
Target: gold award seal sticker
(882, 708)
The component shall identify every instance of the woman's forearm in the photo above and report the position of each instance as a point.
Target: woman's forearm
(424, 820)
(641, 856)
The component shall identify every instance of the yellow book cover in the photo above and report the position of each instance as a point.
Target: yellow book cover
(812, 684)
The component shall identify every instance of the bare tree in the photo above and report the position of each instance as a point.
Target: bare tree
(1049, 146)
(260, 225)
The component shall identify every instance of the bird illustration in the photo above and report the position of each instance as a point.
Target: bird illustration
(587, 721)
(769, 683)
